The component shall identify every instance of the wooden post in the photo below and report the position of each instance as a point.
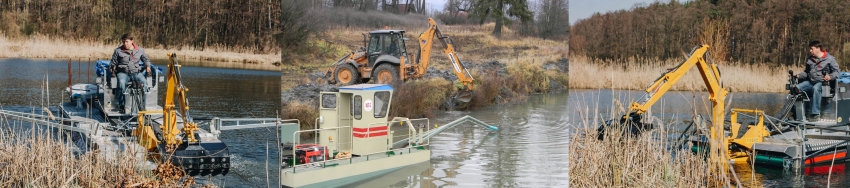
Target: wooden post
(79, 67)
(70, 75)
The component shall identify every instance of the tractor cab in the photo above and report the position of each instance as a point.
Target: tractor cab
(385, 45)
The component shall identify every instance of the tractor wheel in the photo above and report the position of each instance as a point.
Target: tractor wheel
(346, 74)
(385, 74)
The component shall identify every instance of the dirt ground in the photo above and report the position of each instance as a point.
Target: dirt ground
(314, 83)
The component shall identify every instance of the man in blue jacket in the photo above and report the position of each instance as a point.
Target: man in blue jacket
(125, 65)
(820, 67)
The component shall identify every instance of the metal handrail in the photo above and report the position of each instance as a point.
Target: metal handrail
(297, 140)
(216, 123)
(42, 119)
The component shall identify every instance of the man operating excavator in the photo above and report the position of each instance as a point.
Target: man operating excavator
(125, 65)
(820, 67)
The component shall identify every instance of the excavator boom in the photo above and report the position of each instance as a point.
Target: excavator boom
(717, 95)
(184, 147)
(426, 41)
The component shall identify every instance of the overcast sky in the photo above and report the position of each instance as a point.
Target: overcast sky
(581, 9)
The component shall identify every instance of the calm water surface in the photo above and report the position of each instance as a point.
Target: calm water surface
(528, 150)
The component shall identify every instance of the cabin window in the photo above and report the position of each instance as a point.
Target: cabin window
(357, 107)
(328, 100)
(382, 102)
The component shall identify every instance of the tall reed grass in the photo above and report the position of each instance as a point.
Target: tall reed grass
(586, 73)
(625, 160)
(33, 156)
(39, 46)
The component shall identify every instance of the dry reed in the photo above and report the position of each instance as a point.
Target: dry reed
(473, 44)
(586, 73)
(39, 46)
(625, 160)
(420, 98)
(306, 112)
(31, 156)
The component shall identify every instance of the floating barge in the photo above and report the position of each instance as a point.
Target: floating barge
(355, 142)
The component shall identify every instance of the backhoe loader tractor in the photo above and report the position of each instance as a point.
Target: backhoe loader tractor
(385, 60)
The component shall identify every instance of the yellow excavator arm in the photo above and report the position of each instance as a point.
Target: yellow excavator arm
(426, 41)
(717, 95)
(174, 86)
(207, 156)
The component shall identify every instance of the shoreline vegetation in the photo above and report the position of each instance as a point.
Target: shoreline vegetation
(505, 69)
(39, 46)
(34, 156)
(644, 160)
(587, 73)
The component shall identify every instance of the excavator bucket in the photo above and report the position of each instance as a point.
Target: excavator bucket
(204, 158)
(464, 95)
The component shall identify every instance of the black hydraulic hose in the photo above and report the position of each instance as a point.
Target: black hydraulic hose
(679, 142)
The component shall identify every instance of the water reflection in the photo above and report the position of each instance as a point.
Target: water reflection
(528, 150)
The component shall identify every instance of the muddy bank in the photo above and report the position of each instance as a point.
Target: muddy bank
(496, 83)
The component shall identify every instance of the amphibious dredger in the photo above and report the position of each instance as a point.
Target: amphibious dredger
(788, 139)
(167, 132)
(792, 140)
(354, 140)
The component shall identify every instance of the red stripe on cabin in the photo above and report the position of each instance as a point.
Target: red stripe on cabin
(370, 135)
(370, 129)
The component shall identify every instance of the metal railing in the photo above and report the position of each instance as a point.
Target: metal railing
(412, 135)
(56, 122)
(218, 124)
(426, 136)
(296, 140)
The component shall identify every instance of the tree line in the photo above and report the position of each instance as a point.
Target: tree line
(774, 31)
(258, 26)
(251, 25)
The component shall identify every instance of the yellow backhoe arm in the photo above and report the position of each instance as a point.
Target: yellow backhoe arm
(717, 95)
(173, 87)
(426, 41)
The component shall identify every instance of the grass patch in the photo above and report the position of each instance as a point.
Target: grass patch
(304, 112)
(587, 73)
(420, 98)
(527, 77)
(39, 46)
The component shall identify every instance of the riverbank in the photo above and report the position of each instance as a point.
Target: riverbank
(500, 83)
(586, 73)
(38, 46)
(505, 69)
